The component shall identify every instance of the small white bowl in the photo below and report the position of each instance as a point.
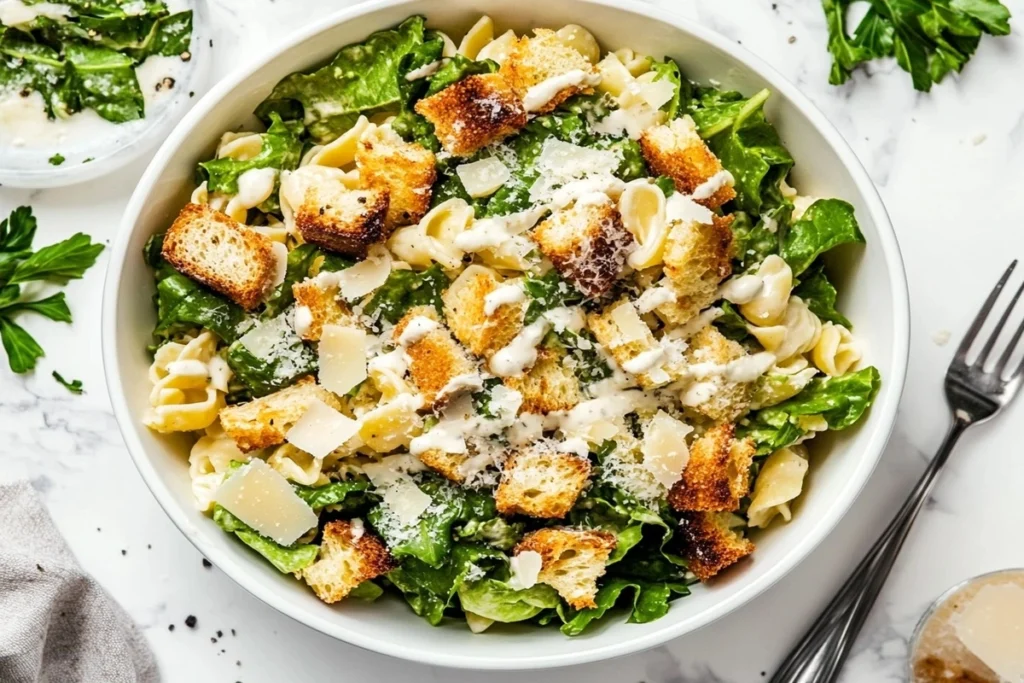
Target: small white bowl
(872, 282)
(102, 147)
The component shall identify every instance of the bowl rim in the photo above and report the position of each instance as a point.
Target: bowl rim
(886, 403)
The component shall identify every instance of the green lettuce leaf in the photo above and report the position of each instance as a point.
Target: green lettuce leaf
(650, 602)
(731, 323)
(609, 507)
(104, 79)
(820, 296)
(495, 600)
(429, 539)
(286, 559)
(300, 260)
(361, 79)
(429, 589)
(547, 292)
(281, 149)
(405, 289)
(481, 523)
(752, 242)
(347, 494)
(841, 401)
(367, 590)
(669, 70)
(826, 224)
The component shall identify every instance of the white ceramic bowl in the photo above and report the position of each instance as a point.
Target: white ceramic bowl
(871, 280)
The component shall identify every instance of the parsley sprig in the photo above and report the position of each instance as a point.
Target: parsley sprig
(928, 38)
(60, 262)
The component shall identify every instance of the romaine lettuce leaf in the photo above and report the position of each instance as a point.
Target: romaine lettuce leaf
(650, 602)
(286, 559)
(300, 260)
(429, 539)
(547, 292)
(367, 590)
(841, 401)
(481, 523)
(748, 147)
(826, 224)
(277, 362)
(731, 323)
(348, 494)
(429, 589)
(495, 600)
(281, 149)
(668, 69)
(104, 80)
(820, 296)
(405, 289)
(608, 507)
(362, 78)
(457, 68)
(752, 242)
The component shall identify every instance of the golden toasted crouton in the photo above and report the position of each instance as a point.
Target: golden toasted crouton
(464, 304)
(697, 258)
(325, 308)
(224, 255)
(343, 220)
(448, 465)
(587, 244)
(722, 401)
(717, 474)
(406, 169)
(473, 112)
(541, 482)
(572, 560)
(435, 359)
(708, 544)
(676, 150)
(548, 386)
(349, 555)
(622, 333)
(531, 61)
(264, 422)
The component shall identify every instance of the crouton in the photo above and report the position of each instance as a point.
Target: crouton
(265, 421)
(224, 255)
(324, 306)
(473, 112)
(343, 220)
(348, 556)
(448, 465)
(720, 400)
(541, 482)
(406, 169)
(587, 244)
(717, 475)
(572, 560)
(676, 150)
(708, 543)
(698, 257)
(531, 61)
(435, 359)
(484, 335)
(622, 333)
(549, 386)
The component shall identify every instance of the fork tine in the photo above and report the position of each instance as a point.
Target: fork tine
(1004, 359)
(994, 337)
(979, 320)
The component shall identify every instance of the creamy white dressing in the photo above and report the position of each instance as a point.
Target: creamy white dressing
(709, 187)
(653, 298)
(303, 320)
(645, 361)
(680, 208)
(396, 362)
(632, 121)
(565, 318)
(545, 91)
(16, 13)
(506, 294)
(698, 323)
(254, 187)
(442, 438)
(418, 328)
(521, 352)
(698, 393)
(741, 289)
(423, 71)
(471, 382)
(749, 368)
(491, 233)
(280, 253)
(188, 368)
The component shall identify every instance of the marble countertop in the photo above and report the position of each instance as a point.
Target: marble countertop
(947, 166)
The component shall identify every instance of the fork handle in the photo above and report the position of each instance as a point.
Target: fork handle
(818, 656)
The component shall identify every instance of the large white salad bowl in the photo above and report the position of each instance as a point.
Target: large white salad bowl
(871, 281)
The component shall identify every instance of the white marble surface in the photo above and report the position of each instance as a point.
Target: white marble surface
(948, 167)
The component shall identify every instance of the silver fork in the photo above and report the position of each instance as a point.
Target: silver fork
(974, 394)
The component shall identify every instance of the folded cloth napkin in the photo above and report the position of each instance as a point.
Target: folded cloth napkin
(56, 623)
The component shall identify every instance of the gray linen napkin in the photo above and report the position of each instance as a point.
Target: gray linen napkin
(56, 623)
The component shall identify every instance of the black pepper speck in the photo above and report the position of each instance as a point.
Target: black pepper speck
(191, 621)
(170, 627)
(207, 563)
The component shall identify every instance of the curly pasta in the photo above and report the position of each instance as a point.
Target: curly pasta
(836, 351)
(185, 378)
(477, 37)
(433, 238)
(642, 207)
(296, 465)
(797, 333)
(769, 305)
(341, 152)
(779, 483)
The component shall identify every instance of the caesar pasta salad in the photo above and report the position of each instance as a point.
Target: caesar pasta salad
(515, 328)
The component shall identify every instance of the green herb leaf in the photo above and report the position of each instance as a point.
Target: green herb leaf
(22, 350)
(53, 307)
(18, 230)
(74, 386)
(104, 80)
(63, 261)
(57, 159)
(826, 224)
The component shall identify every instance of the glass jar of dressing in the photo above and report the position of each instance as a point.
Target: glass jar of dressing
(974, 633)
